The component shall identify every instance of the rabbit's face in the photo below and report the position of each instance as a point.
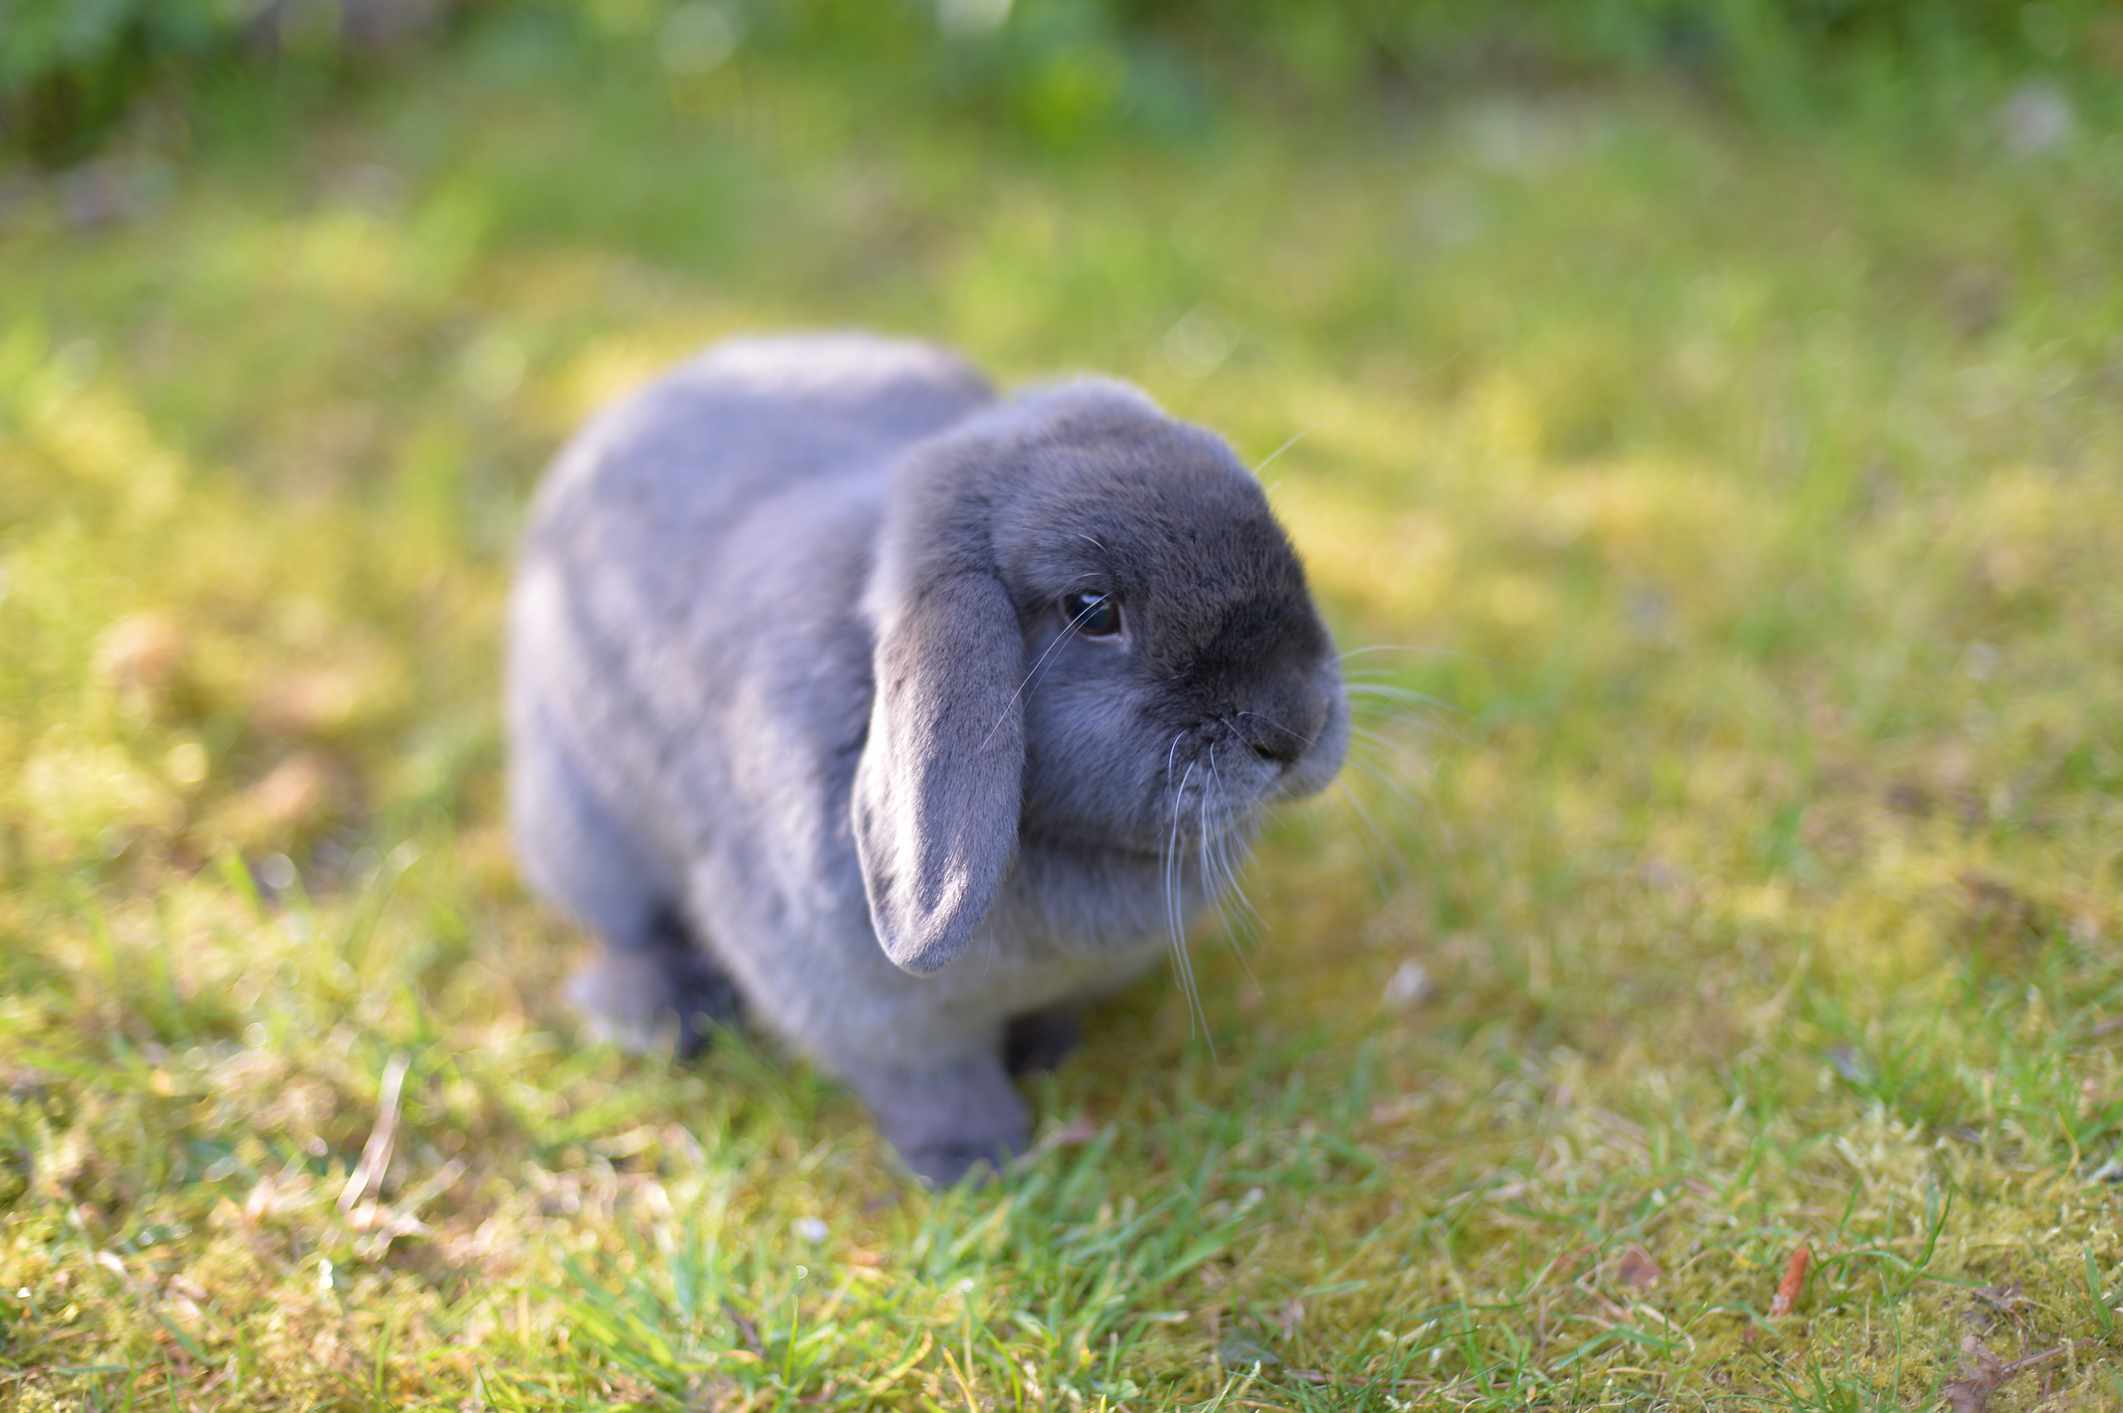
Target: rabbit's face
(1177, 676)
(1088, 630)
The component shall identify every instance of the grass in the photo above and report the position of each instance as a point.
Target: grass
(1749, 502)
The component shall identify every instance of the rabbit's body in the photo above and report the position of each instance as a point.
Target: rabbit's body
(696, 639)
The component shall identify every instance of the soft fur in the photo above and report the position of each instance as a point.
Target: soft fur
(797, 722)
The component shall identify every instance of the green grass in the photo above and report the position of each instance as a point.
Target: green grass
(1750, 504)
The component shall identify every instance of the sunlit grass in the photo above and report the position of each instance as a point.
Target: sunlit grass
(1747, 507)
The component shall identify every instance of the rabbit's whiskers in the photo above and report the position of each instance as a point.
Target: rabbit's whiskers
(1175, 914)
(1304, 740)
(1358, 687)
(1408, 799)
(1368, 649)
(1059, 639)
(1378, 776)
(1269, 460)
(1386, 704)
(1250, 915)
(1216, 860)
(1378, 839)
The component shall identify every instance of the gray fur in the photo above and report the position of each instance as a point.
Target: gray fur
(786, 666)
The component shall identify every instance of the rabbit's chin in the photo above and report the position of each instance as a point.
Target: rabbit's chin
(1235, 826)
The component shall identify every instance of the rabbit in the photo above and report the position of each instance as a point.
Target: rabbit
(901, 717)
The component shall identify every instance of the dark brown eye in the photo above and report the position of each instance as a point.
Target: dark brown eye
(1093, 615)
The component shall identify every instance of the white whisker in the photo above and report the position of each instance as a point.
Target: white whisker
(1269, 460)
(1209, 877)
(1366, 736)
(1391, 648)
(1060, 638)
(1361, 688)
(1175, 882)
(1249, 917)
(1305, 740)
(1386, 782)
(1371, 828)
(1417, 715)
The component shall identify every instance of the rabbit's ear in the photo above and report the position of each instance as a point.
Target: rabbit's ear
(938, 787)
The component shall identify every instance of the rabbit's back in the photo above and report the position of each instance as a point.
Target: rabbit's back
(741, 423)
(724, 509)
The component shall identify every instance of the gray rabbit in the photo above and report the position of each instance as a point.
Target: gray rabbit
(904, 717)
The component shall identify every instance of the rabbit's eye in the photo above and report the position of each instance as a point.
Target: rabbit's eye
(1093, 615)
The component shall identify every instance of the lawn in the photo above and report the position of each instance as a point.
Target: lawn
(1743, 499)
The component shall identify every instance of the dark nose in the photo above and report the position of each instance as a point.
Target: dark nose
(1274, 744)
(1285, 727)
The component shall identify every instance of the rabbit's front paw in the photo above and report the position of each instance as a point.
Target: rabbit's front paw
(946, 1164)
(947, 1120)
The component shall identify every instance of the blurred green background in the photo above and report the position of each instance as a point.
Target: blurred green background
(1704, 421)
(1063, 74)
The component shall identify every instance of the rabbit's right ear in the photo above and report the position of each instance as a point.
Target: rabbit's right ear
(939, 784)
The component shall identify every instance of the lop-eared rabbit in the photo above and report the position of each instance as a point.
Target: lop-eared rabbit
(904, 717)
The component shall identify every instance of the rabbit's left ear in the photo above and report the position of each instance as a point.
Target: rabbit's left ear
(938, 787)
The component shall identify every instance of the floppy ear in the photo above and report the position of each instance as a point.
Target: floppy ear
(939, 785)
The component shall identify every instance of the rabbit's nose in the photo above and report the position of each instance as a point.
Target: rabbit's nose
(1284, 730)
(1275, 745)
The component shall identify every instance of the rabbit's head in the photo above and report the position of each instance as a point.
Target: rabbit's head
(1089, 629)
